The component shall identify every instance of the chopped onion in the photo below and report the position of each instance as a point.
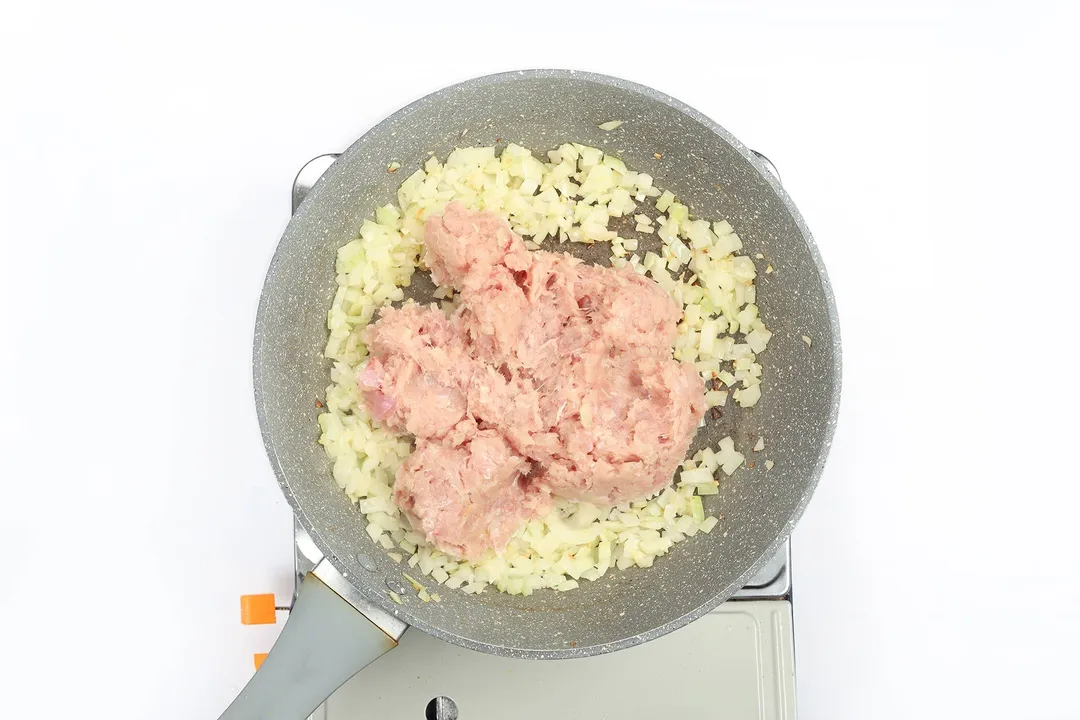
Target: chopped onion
(698, 476)
(729, 458)
(747, 397)
(714, 398)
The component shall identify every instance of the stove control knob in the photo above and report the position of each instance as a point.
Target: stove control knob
(258, 609)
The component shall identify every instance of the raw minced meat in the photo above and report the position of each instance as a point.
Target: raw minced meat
(553, 377)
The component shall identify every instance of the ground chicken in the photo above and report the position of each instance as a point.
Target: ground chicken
(553, 378)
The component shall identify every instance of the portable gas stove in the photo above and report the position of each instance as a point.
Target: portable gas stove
(737, 662)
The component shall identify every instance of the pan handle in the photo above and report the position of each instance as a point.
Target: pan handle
(332, 633)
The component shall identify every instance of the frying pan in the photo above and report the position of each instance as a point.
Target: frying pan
(343, 617)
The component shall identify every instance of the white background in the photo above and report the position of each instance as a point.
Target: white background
(146, 153)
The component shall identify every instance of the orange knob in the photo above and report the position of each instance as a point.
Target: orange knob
(259, 657)
(258, 609)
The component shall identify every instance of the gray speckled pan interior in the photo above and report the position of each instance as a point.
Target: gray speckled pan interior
(718, 178)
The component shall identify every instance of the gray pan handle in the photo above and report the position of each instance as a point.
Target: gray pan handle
(326, 641)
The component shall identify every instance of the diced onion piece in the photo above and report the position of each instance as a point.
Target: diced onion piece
(709, 332)
(697, 510)
(708, 460)
(695, 477)
(729, 458)
(758, 338)
(747, 397)
(610, 125)
(664, 201)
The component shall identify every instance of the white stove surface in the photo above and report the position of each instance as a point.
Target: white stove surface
(737, 662)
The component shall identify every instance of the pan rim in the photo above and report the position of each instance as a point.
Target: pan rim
(815, 471)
